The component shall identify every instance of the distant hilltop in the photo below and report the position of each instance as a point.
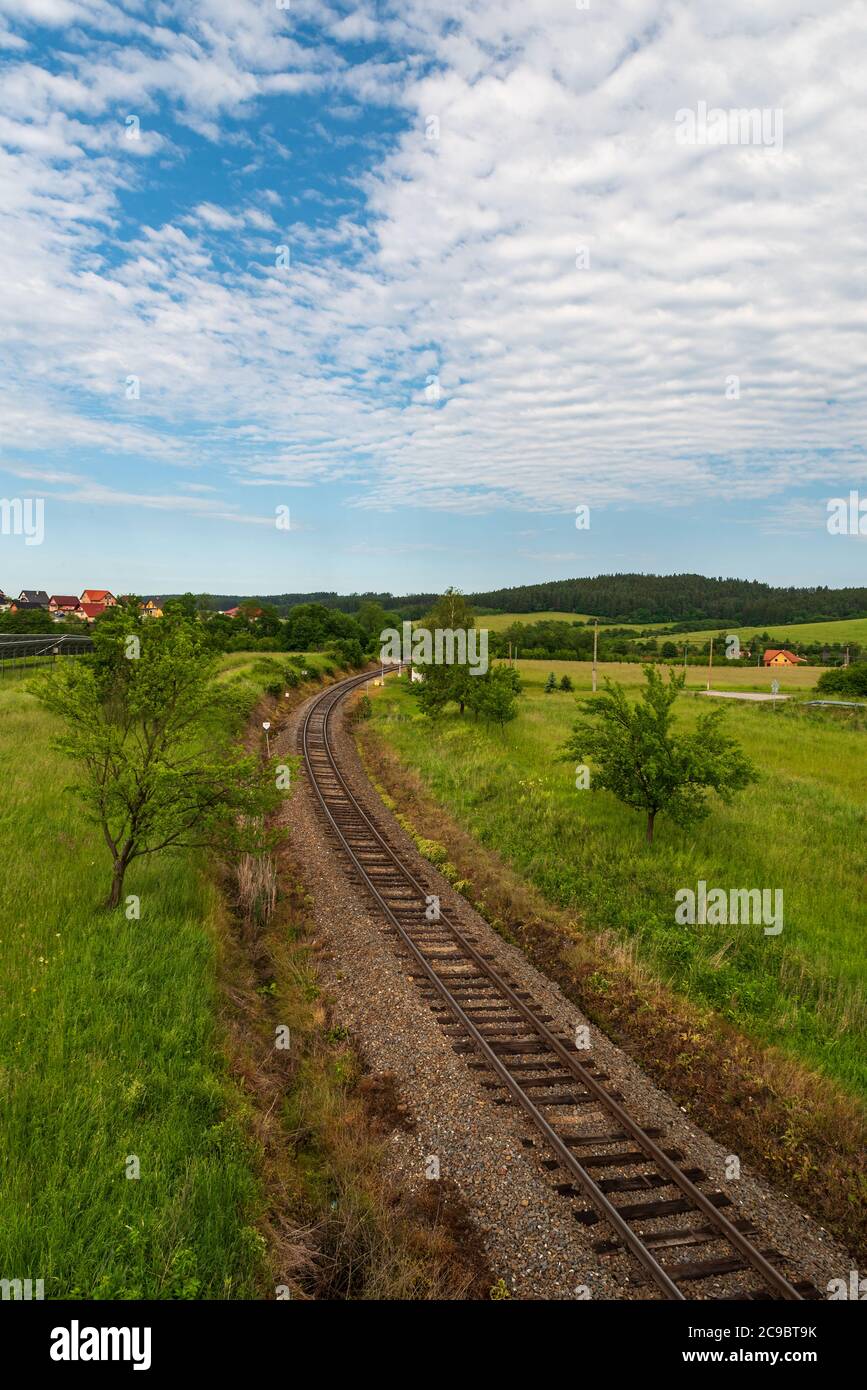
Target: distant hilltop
(626, 598)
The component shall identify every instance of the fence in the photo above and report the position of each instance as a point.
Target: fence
(20, 652)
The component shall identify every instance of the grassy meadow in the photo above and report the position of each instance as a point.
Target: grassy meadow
(842, 630)
(110, 1050)
(794, 680)
(496, 622)
(801, 828)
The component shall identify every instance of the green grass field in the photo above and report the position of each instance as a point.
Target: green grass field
(801, 829)
(496, 622)
(110, 1049)
(846, 630)
(793, 679)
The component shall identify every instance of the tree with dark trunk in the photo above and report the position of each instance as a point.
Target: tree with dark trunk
(145, 724)
(638, 756)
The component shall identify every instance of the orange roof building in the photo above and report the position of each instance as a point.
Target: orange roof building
(780, 657)
(91, 610)
(103, 596)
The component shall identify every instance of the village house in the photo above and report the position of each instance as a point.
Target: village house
(152, 608)
(62, 605)
(90, 611)
(775, 657)
(33, 598)
(103, 596)
(23, 606)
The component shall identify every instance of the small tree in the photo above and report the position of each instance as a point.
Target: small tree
(566, 683)
(551, 684)
(445, 682)
(146, 726)
(645, 764)
(494, 695)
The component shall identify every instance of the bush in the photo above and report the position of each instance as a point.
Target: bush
(850, 682)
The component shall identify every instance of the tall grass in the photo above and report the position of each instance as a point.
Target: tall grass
(110, 1053)
(802, 829)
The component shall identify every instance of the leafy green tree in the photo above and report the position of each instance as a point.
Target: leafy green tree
(373, 620)
(648, 766)
(850, 682)
(551, 684)
(145, 724)
(185, 604)
(494, 695)
(33, 620)
(445, 682)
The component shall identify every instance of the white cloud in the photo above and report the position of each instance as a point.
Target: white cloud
(556, 131)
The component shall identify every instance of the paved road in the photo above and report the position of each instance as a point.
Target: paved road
(740, 695)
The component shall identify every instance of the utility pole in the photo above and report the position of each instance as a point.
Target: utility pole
(595, 645)
(685, 649)
(710, 664)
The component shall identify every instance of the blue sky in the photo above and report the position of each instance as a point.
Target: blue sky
(506, 289)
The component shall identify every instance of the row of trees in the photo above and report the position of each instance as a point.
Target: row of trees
(559, 640)
(691, 598)
(257, 627)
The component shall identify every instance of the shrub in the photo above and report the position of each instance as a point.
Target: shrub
(846, 681)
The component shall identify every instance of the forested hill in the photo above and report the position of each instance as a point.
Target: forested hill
(648, 598)
(628, 598)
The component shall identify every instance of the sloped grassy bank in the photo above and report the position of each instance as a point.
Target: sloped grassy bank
(467, 807)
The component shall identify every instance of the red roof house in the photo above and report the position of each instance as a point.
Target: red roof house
(62, 603)
(103, 596)
(781, 657)
(91, 610)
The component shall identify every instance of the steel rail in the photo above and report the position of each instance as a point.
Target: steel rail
(325, 704)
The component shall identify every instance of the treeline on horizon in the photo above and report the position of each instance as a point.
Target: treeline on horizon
(688, 599)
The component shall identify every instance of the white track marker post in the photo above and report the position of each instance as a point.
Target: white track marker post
(266, 724)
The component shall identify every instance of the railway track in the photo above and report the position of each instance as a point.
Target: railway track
(685, 1234)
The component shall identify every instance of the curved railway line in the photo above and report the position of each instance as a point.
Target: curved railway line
(612, 1168)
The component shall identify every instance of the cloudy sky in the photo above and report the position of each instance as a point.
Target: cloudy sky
(431, 275)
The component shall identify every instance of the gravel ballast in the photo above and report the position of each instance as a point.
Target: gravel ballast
(490, 1151)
